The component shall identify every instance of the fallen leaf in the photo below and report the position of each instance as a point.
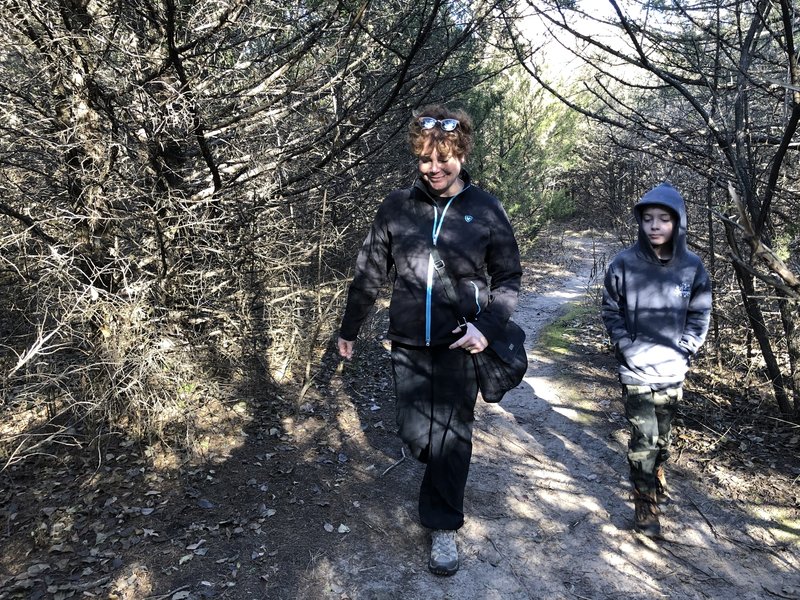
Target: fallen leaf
(37, 569)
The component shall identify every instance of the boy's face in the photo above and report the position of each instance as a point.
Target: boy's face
(658, 225)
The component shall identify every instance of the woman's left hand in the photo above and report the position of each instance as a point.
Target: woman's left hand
(472, 341)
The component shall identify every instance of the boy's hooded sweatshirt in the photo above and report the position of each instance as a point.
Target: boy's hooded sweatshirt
(656, 312)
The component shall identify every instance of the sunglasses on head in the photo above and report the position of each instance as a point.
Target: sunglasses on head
(445, 124)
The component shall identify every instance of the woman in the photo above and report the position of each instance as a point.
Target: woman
(435, 382)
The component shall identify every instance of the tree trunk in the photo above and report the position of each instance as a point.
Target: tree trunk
(789, 316)
(756, 320)
(712, 268)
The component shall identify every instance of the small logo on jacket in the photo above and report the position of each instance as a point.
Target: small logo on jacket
(683, 290)
(468, 218)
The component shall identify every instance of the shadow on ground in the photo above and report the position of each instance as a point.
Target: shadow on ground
(315, 499)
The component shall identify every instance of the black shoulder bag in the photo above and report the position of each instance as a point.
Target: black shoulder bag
(503, 364)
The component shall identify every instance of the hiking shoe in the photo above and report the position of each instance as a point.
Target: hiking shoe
(662, 491)
(646, 521)
(444, 554)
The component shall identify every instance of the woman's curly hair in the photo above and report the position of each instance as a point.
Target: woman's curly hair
(458, 142)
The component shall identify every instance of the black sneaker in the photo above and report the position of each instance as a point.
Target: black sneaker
(646, 520)
(444, 554)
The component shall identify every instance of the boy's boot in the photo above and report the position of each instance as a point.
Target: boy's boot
(662, 491)
(646, 519)
(444, 554)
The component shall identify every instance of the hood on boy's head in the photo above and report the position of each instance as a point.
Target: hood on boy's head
(666, 196)
(662, 195)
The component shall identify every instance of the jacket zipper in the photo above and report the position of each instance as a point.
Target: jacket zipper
(437, 226)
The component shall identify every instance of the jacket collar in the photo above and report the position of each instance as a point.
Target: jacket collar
(420, 185)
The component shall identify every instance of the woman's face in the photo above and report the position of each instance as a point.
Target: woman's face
(440, 173)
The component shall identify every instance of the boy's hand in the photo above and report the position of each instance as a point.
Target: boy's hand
(345, 348)
(473, 341)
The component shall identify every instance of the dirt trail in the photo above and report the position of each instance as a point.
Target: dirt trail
(314, 500)
(549, 512)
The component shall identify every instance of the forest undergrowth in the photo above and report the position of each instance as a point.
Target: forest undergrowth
(271, 486)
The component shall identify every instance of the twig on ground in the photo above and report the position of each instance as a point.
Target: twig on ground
(520, 446)
(755, 547)
(758, 547)
(168, 594)
(519, 580)
(373, 527)
(675, 542)
(693, 565)
(702, 514)
(779, 594)
(511, 566)
(390, 467)
(496, 517)
(88, 586)
(491, 541)
(579, 596)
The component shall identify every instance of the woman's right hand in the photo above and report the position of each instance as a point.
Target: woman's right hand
(345, 348)
(473, 341)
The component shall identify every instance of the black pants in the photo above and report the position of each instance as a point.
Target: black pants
(436, 390)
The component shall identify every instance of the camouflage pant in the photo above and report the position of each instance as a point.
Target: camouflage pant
(650, 416)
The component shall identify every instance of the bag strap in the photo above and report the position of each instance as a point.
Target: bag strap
(447, 283)
(441, 270)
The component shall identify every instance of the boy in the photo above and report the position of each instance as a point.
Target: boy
(656, 308)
